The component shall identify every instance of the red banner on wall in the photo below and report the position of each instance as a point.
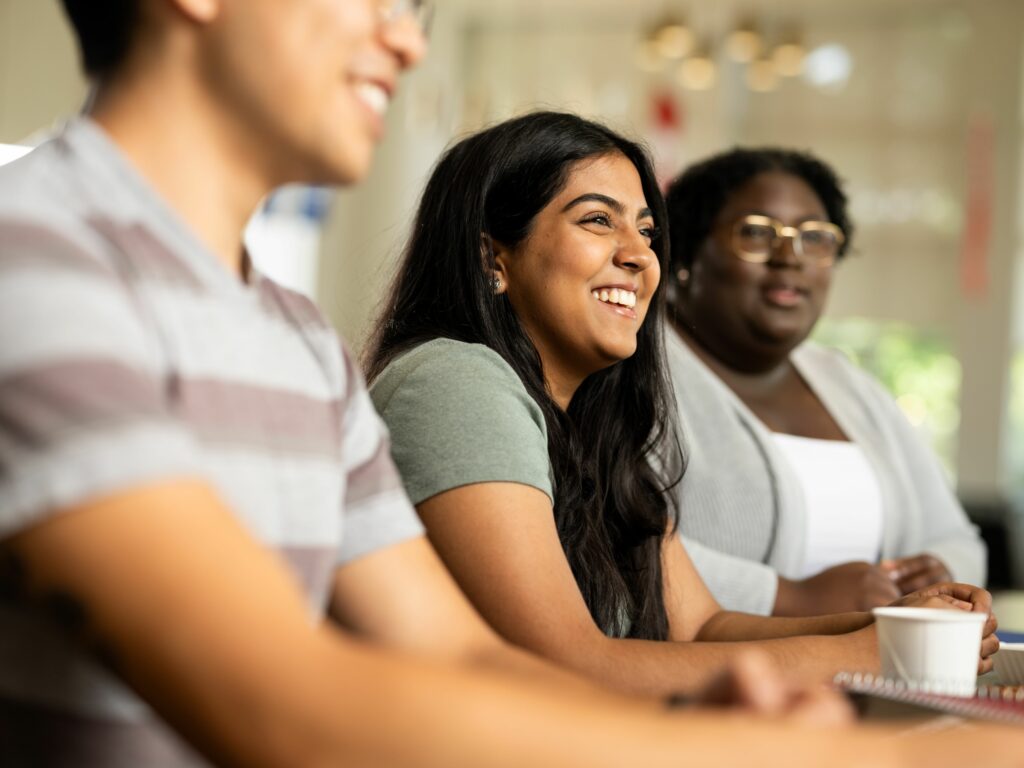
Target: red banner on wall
(974, 251)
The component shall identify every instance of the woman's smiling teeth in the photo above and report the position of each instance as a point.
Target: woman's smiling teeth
(618, 296)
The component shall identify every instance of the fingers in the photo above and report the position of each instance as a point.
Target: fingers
(985, 666)
(989, 645)
(922, 599)
(980, 599)
(878, 589)
(753, 683)
(821, 707)
(756, 685)
(921, 579)
(991, 625)
(917, 572)
(878, 594)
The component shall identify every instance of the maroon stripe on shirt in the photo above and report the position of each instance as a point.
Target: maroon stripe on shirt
(289, 305)
(246, 415)
(30, 245)
(147, 255)
(40, 406)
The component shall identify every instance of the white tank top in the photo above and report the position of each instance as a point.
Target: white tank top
(843, 500)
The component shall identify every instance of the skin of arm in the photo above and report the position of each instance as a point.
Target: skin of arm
(163, 578)
(915, 572)
(854, 586)
(727, 625)
(858, 586)
(500, 542)
(402, 597)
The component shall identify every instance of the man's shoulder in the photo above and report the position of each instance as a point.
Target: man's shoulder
(40, 181)
(44, 208)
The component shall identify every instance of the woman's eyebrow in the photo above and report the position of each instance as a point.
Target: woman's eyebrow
(596, 197)
(611, 202)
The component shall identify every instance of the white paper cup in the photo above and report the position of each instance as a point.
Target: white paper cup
(930, 649)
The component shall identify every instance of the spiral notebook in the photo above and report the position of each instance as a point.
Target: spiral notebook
(883, 698)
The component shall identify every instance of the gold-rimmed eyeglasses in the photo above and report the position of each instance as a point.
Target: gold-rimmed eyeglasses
(421, 11)
(755, 238)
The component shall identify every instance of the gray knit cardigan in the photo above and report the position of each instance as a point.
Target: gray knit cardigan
(742, 513)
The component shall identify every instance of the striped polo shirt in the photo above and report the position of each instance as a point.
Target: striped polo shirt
(129, 354)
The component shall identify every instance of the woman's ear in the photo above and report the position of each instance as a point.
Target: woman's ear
(494, 257)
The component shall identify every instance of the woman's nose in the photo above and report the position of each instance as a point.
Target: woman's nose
(784, 252)
(635, 254)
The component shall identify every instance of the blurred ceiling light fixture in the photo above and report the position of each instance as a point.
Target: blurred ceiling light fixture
(673, 39)
(761, 76)
(698, 72)
(788, 55)
(828, 67)
(744, 43)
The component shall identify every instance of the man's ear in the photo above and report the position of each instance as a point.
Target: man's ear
(199, 11)
(494, 257)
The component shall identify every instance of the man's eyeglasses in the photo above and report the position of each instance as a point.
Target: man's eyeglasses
(755, 238)
(421, 11)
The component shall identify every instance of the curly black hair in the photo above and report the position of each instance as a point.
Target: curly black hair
(697, 196)
(105, 30)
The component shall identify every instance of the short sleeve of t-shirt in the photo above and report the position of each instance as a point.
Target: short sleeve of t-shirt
(458, 415)
(377, 510)
(83, 409)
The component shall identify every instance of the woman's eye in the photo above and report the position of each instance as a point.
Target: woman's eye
(599, 219)
(651, 232)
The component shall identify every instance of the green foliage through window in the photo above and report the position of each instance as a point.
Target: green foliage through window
(917, 367)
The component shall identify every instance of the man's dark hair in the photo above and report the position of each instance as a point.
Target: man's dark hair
(105, 29)
(698, 195)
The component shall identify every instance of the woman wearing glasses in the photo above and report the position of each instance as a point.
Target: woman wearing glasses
(806, 492)
(518, 367)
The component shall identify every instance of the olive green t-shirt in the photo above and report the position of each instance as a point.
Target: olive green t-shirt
(458, 414)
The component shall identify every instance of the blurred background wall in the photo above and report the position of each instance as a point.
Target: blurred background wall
(917, 103)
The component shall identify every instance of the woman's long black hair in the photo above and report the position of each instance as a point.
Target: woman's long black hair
(613, 451)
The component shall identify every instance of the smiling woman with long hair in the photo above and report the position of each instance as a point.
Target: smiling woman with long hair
(518, 365)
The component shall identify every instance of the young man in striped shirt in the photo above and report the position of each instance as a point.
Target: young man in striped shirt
(191, 473)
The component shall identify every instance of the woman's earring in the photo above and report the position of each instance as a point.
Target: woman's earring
(496, 284)
(683, 275)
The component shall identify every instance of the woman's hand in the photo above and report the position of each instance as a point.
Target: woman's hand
(840, 589)
(915, 572)
(964, 597)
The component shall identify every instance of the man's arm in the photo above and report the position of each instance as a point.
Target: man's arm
(210, 630)
(404, 598)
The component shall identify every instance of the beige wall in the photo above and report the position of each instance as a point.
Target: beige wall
(39, 80)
